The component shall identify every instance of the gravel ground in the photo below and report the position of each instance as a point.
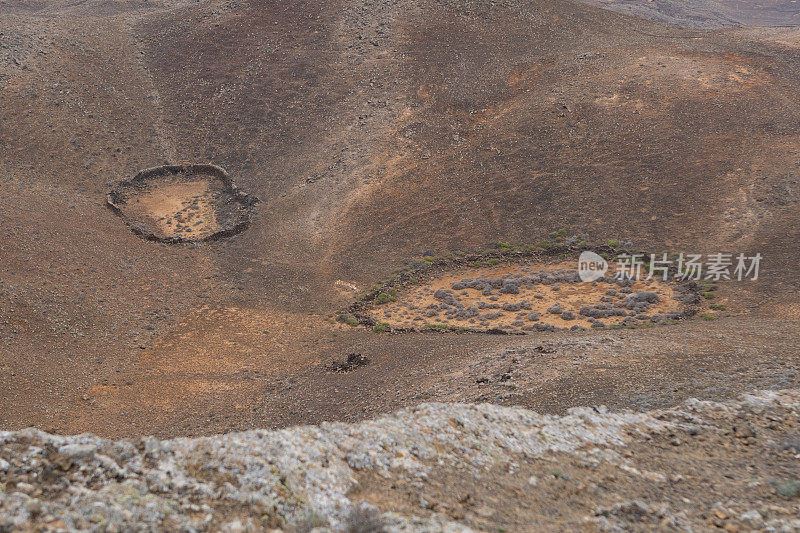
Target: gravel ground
(702, 464)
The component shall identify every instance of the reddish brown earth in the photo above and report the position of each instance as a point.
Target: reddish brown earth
(374, 132)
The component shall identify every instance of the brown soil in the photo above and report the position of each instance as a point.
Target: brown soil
(668, 481)
(374, 133)
(415, 306)
(182, 203)
(175, 210)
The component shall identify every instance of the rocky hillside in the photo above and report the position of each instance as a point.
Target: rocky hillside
(436, 467)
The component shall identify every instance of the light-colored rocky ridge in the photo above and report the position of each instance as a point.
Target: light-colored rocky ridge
(435, 467)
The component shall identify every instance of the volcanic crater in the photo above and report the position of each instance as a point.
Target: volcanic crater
(182, 203)
(520, 299)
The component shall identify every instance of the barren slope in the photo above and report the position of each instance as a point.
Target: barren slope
(372, 131)
(433, 468)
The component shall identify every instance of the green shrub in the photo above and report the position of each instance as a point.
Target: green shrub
(787, 489)
(384, 298)
(348, 319)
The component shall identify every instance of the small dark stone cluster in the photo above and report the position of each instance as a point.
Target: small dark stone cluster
(353, 361)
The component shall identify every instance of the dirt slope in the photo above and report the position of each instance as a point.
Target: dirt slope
(372, 131)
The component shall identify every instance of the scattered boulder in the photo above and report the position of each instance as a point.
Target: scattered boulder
(353, 361)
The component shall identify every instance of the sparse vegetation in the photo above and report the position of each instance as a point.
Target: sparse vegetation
(384, 298)
(381, 327)
(788, 489)
(364, 519)
(309, 522)
(348, 319)
(421, 138)
(444, 327)
(505, 246)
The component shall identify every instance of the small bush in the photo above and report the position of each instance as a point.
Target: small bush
(717, 307)
(381, 327)
(348, 319)
(788, 489)
(384, 298)
(365, 520)
(309, 522)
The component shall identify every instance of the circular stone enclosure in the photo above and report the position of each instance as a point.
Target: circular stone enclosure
(524, 297)
(182, 203)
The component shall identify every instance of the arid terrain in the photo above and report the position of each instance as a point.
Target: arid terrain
(701, 466)
(438, 142)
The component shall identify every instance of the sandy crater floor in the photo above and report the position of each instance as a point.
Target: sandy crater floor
(524, 298)
(177, 207)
